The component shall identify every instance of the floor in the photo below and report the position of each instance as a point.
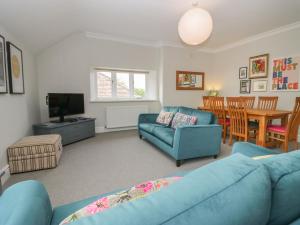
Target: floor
(107, 162)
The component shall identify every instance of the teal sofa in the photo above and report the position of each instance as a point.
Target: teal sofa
(199, 140)
(236, 190)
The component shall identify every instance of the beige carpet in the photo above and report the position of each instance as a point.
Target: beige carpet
(105, 163)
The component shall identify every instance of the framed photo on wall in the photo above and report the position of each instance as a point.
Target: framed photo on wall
(245, 86)
(243, 72)
(15, 69)
(187, 80)
(259, 85)
(258, 66)
(3, 77)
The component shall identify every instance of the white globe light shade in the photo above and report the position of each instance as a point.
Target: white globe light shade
(195, 26)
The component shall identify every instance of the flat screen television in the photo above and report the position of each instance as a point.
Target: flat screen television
(65, 104)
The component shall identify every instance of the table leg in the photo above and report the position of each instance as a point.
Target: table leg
(261, 140)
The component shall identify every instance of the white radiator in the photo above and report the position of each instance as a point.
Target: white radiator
(124, 116)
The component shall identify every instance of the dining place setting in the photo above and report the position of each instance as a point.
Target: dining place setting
(244, 120)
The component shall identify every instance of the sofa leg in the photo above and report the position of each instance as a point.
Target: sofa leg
(140, 136)
(178, 163)
(215, 156)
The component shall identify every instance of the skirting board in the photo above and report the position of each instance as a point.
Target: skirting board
(105, 130)
(6, 174)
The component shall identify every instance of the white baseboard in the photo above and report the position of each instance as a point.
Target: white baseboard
(6, 174)
(105, 130)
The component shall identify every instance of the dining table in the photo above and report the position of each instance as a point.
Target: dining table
(262, 116)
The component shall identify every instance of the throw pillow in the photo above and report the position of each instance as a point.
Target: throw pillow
(181, 119)
(165, 118)
(107, 202)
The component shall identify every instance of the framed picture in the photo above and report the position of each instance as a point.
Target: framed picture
(258, 66)
(15, 69)
(3, 77)
(259, 85)
(187, 80)
(286, 74)
(245, 86)
(243, 72)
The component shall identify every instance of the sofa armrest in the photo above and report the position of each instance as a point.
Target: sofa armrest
(251, 150)
(147, 118)
(197, 140)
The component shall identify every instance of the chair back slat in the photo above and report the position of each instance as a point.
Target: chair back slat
(238, 117)
(294, 121)
(267, 102)
(206, 101)
(217, 107)
(248, 101)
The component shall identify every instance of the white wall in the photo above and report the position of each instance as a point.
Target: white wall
(226, 64)
(18, 112)
(65, 67)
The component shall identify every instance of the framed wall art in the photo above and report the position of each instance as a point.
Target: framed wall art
(187, 80)
(258, 66)
(3, 77)
(243, 72)
(15, 69)
(245, 86)
(286, 74)
(259, 85)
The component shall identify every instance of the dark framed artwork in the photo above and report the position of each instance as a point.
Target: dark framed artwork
(15, 69)
(3, 76)
(258, 66)
(243, 72)
(187, 80)
(245, 86)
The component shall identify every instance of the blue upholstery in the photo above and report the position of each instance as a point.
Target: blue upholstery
(297, 222)
(200, 140)
(251, 150)
(25, 203)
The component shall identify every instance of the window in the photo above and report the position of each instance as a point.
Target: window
(118, 85)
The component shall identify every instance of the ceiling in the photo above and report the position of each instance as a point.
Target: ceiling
(41, 23)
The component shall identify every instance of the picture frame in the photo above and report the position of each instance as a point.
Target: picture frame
(259, 85)
(245, 86)
(188, 80)
(243, 72)
(3, 75)
(258, 66)
(15, 69)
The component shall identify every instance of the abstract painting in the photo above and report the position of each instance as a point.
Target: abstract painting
(258, 66)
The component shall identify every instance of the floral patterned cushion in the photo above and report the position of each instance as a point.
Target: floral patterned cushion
(134, 193)
(165, 118)
(181, 119)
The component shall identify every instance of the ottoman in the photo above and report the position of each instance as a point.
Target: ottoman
(34, 153)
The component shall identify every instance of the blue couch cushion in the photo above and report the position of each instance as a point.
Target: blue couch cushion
(252, 150)
(25, 203)
(232, 191)
(284, 170)
(173, 109)
(149, 127)
(203, 118)
(165, 134)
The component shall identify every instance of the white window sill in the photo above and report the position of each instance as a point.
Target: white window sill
(122, 100)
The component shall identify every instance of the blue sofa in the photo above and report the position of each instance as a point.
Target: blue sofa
(236, 190)
(199, 140)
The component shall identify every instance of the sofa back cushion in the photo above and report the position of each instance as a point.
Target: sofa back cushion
(173, 109)
(203, 118)
(25, 203)
(284, 170)
(232, 191)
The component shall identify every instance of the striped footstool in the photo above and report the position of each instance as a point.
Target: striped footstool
(34, 153)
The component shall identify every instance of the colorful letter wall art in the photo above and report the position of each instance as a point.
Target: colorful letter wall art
(286, 73)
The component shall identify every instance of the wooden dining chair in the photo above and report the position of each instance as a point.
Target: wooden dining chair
(238, 119)
(206, 101)
(285, 134)
(267, 102)
(217, 106)
(248, 101)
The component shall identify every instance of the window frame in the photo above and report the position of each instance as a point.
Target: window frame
(114, 97)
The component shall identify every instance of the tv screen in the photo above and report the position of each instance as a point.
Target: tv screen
(63, 104)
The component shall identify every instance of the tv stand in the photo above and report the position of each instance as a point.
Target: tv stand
(71, 129)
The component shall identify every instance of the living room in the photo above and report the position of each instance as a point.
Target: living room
(143, 54)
